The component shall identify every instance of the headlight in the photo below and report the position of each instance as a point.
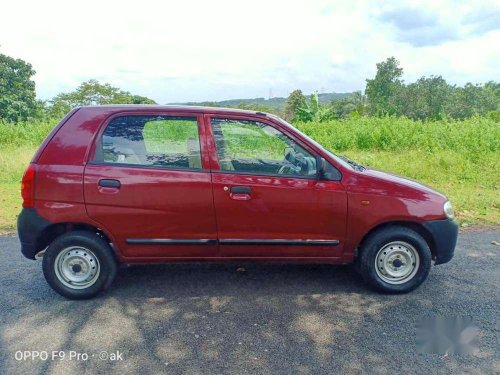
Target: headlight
(448, 210)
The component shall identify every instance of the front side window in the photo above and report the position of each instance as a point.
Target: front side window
(257, 148)
(161, 141)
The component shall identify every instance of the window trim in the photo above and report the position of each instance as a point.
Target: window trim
(263, 174)
(264, 121)
(141, 166)
(102, 128)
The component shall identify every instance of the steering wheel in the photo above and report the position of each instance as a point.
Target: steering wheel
(295, 163)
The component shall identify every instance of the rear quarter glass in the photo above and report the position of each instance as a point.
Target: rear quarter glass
(51, 134)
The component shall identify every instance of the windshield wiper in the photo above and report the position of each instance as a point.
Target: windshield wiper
(355, 165)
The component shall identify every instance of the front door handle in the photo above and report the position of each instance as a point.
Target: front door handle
(110, 183)
(241, 193)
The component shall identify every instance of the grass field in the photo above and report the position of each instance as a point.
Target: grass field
(459, 158)
(13, 161)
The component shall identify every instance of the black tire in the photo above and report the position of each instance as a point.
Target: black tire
(376, 241)
(87, 240)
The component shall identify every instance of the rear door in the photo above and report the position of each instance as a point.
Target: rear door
(269, 202)
(149, 186)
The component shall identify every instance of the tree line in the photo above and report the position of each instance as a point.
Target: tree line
(386, 94)
(429, 98)
(18, 98)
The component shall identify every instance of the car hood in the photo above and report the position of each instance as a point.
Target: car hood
(403, 181)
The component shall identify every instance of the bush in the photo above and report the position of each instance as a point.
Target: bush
(474, 135)
(30, 133)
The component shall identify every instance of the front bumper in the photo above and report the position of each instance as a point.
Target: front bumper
(444, 235)
(30, 227)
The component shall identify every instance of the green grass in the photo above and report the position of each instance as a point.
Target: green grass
(25, 133)
(246, 140)
(169, 136)
(473, 136)
(459, 158)
(13, 162)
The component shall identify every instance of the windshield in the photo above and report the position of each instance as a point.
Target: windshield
(337, 158)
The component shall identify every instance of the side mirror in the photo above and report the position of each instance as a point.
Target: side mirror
(320, 167)
(326, 171)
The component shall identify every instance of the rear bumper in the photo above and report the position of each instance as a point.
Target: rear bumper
(444, 235)
(30, 226)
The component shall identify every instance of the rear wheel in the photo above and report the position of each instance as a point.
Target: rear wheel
(395, 259)
(79, 265)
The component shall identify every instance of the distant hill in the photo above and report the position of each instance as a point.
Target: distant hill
(277, 103)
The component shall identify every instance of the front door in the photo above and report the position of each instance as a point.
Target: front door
(269, 201)
(148, 186)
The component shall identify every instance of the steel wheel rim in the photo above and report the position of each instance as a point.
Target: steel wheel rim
(77, 267)
(397, 262)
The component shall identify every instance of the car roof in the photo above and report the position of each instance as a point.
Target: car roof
(179, 108)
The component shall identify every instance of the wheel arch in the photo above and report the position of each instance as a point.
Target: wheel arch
(417, 227)
(51, 232)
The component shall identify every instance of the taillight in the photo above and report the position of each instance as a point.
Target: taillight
(28, 187)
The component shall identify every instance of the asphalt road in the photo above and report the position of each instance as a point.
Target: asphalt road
(270, 318)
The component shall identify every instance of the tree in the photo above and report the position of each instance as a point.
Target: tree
(17, 90)
(473, 99)
(424, 99)
(383, 90)
(313, 110)
(294, 101)
(354, 104)
(491, 97)
(93, 93)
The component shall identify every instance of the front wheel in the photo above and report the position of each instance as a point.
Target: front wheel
(79, 265)
(395, 259)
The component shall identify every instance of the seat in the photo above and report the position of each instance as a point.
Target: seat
(128, 156)
(193, 151)
(224, 161)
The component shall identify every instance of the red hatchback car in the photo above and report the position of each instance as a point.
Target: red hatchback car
(129, 184)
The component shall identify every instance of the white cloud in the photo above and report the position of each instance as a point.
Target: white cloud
(210, 50)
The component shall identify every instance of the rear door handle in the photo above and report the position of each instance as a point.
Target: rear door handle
(241, 190)
(110, 183)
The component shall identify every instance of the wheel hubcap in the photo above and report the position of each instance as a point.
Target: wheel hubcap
(397, 262)
(77, 267)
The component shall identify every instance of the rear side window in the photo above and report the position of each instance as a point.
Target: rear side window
(161, 141)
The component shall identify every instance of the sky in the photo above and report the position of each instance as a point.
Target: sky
(178, 51)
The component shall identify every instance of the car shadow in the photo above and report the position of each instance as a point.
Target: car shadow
(232, 279)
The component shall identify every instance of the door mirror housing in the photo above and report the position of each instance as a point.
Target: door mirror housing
(326, 171)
